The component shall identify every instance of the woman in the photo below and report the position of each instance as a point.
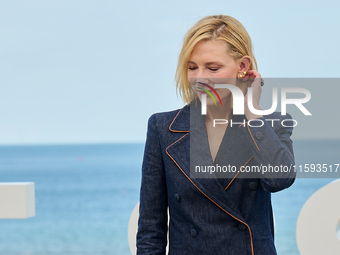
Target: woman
(215, 211)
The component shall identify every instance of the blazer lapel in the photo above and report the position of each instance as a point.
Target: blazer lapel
(233, 151)
(192, 149)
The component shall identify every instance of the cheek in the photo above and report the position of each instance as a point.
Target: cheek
(228, 74)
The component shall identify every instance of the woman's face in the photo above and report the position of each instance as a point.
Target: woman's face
(210, 63)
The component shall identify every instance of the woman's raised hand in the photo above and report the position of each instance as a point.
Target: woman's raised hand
(256, 95)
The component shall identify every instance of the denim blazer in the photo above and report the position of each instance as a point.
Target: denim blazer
(231, 215)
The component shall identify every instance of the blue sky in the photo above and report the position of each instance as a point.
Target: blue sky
(94, 71)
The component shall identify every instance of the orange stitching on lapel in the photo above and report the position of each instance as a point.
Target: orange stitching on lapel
(173, 122)
(239, 171)
(252, 137)
(174, 143)
(244, 123)
(251, 238)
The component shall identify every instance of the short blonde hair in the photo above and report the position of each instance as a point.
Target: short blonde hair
(214, 27)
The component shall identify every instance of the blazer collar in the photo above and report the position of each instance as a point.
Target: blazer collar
(181, 123)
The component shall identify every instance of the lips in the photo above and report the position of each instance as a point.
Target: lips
(207, 90)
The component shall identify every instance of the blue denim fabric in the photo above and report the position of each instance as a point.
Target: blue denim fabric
(205, 217)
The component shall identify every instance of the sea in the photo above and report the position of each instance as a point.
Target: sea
(85, 194)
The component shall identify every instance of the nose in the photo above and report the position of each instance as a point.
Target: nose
(200, 73)
(202, 80)
(199, 76)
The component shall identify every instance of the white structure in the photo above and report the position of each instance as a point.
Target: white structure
(318, 221)
(17, 200)
(132, 229)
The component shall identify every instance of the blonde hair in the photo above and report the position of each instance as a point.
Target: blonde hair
(214, 27)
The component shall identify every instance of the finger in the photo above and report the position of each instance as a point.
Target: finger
(253, 74)
(250, 75)
(256, 76)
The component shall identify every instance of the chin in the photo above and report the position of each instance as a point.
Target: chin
(210, 102)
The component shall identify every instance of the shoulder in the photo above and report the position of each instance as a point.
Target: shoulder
(164, 118)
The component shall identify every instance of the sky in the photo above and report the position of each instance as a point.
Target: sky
(95, 71)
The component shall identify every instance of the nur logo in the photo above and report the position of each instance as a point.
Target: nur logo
(212, 89)
(238, 99)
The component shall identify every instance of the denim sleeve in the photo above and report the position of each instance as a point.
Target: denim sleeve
(272, 147)
(152, 222)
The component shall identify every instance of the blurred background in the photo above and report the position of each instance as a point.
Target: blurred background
(79, 80)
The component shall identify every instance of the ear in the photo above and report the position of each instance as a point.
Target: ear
(244, 64)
